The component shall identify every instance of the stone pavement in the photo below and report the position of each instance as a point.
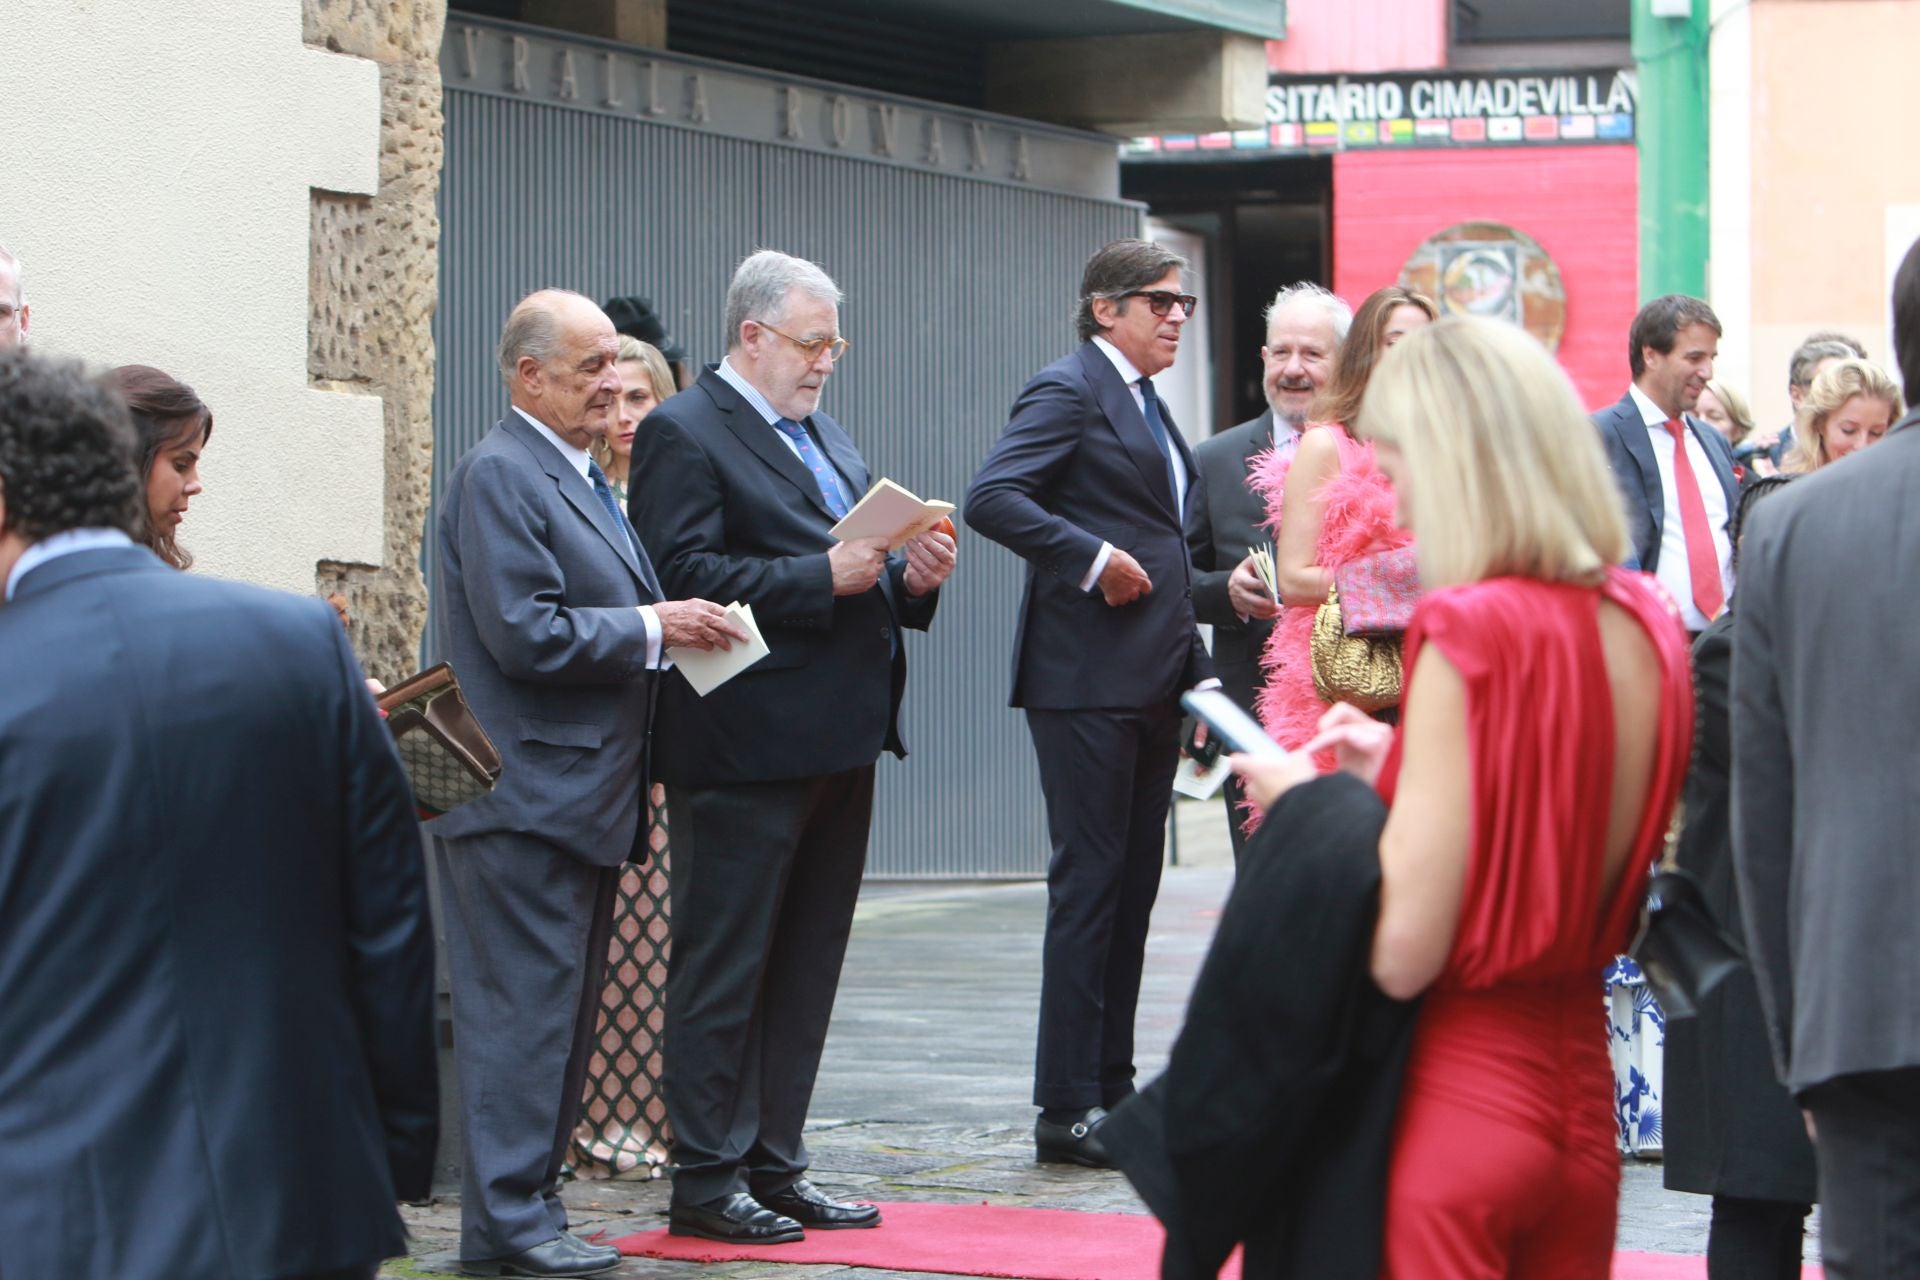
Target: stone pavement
(923, 1091)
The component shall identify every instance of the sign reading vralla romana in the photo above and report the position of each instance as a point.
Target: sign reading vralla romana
(1344, 113)
(671, 90)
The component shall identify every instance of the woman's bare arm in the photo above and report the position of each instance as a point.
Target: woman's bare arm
(1425, 846)
(1297, 571)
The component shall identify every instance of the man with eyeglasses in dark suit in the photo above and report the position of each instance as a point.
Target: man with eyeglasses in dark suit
(1088, 483)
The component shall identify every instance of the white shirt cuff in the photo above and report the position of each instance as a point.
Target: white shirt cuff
(1211, 682)
(1099, 567)
(652, 619)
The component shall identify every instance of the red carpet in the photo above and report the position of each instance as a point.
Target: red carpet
(1031, 1244)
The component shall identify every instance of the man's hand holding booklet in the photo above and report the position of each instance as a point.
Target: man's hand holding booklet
(889, 511)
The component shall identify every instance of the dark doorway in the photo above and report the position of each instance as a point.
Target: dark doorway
(1268, 224)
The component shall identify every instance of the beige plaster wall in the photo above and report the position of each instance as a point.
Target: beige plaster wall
(1830, 159)
(159, 161)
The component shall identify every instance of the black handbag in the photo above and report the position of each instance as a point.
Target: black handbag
(1681, 948)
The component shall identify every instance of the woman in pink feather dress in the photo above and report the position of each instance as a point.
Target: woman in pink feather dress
(1328, 505)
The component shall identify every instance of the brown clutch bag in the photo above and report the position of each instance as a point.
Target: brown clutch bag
(448, 757)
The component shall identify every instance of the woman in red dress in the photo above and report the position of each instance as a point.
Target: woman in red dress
(1544, 738)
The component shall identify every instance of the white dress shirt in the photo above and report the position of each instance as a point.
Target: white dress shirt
(55, 545)
(579, 459)
(1675, 572)
(1131, 376)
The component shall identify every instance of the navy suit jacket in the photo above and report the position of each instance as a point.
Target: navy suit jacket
(1630, 454)
(216, 963)
(1076, 467)
(728, 512)
(537, 610)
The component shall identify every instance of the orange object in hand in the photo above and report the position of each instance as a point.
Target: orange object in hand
(946, 526)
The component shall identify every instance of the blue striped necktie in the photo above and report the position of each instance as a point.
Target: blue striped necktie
(605, 494)
(823, 474)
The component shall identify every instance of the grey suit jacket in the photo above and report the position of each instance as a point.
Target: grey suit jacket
(1826, 813)
(536, 608)
(1224, 518)
(1624, 433)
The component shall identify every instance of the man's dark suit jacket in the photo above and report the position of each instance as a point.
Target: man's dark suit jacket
(1076, 467)
(1825, 700)
(728, 512)
(1224, 518)
(216, 1033)
(1630, 454)
(538, 613)
(1273, 1124)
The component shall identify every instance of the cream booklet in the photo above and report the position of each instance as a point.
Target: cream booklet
(889, 511)
(708, 669)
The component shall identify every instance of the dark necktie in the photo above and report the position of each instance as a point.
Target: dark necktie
(823, 475)
(1157, 427)
(1703, 558)
(602, 491)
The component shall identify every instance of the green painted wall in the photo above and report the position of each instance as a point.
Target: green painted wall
(1671, 54)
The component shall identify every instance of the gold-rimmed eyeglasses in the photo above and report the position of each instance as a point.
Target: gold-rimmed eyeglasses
(834, 347)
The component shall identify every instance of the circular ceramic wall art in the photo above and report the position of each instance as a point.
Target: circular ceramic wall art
(1490, 269)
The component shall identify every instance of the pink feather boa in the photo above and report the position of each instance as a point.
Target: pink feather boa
(1358, 518)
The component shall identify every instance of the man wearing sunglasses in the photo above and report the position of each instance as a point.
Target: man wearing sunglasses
(736, 483)
(1088, 483)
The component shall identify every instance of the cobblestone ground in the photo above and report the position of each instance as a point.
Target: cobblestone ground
(923, 1091)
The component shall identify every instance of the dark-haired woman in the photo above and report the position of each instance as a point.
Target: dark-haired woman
(173, 426)
(1732, 1130)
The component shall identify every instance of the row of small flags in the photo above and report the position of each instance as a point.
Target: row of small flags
(1362, 133)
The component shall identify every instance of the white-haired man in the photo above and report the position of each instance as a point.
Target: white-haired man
(1305, 327)
(737, 482)
(13, 302)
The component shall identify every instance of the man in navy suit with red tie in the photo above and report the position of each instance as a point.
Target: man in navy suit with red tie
(1674, 470)
(1088, 484)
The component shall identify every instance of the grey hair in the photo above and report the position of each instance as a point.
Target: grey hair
(761, 284)
(1306, 291)
(1816, 348)
(533, 330)
(19, 276)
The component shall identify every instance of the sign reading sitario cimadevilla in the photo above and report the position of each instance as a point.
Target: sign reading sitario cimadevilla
(1372, 113)
(601, 76)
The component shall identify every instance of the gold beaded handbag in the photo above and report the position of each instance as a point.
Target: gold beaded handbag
(1361, 669)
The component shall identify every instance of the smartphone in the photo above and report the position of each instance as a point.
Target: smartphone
(1240, 731)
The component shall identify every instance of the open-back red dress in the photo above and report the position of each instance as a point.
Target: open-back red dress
(1504, 1158)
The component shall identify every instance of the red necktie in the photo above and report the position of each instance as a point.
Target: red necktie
(1703, 561)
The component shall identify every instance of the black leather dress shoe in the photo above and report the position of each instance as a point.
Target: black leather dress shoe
(809, 1206)
(564, 1255)
(733, 1219)
(1077, 1143)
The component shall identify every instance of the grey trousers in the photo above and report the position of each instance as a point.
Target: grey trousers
(527, 933)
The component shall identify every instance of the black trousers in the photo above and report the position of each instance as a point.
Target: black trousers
(370, 1271)
(1756, 1239)
(1107, 777)
(1867, 1147)
(764, 878)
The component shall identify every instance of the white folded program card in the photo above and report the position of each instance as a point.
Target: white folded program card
(708, 669)
(889, 511)
(1200, 782)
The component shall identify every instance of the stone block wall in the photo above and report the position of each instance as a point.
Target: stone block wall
(374, 283)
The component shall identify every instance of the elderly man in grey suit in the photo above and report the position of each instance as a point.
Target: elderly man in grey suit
(1305, 327)
(551, 615)
(1826, 817)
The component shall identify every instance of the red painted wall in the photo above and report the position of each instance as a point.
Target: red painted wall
(1353, 36)
(1579, 203)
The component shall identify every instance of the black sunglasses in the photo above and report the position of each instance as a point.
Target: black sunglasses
(1161, 301)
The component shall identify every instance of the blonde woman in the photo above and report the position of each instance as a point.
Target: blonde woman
(645, 380)
(1726, 412)
(1543, 741)
(1848, 407)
